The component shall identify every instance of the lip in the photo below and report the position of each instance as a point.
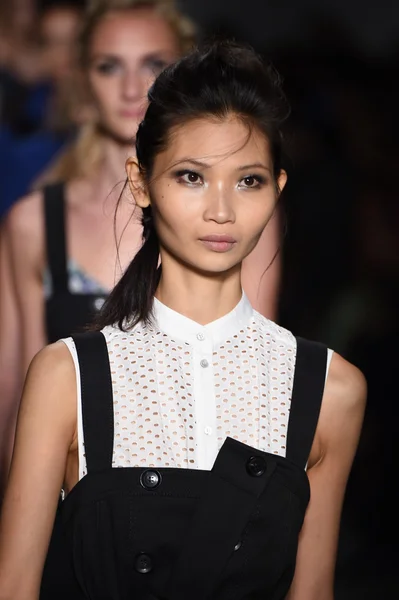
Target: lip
(131, 114)
(219, 243)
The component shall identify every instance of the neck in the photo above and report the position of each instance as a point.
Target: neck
(108, 179)
(200, 297)
(113, 167)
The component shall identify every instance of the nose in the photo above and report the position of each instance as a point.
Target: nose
(219, 206)
(133, 86)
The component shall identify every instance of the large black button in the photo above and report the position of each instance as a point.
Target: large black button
(256, 466)
(143, 563)
(150, 479)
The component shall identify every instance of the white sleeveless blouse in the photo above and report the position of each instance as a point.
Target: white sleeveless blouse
(181, 388)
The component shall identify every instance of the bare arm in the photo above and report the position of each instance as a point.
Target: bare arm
(26, 235)
(260, 281)
(10, 349)
(45, 431)
(333, 451)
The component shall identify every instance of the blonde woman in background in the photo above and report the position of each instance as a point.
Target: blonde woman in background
(62, 238)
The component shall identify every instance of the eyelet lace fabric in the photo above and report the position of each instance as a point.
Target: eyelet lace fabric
(175, 402)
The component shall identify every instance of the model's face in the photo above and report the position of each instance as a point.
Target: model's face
(212, 194)
(128, 50)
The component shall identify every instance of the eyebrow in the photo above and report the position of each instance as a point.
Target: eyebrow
(203, 165)
(192, 161)
(253, 166)
(158, 54)
(104, 55)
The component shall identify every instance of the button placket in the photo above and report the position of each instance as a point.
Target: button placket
(205, 403)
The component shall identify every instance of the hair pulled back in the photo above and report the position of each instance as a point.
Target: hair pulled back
(215, 80)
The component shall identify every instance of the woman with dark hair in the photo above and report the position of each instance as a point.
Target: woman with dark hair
(187, 431)
(61, 237)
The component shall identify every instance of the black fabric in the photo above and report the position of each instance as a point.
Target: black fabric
(66, 313)
(307, 393)
(97, 404)
(59, 581)
(110, 520)
(229, 501)
(54, 209)
(226, 534)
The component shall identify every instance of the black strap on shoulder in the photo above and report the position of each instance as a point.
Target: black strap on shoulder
(54, 212)
(307, 394)
(97, 399)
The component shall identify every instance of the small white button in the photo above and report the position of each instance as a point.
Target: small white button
(208, 430)
(200, 337)
(204, 363)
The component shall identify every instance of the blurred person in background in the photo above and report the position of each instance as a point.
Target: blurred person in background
(65, 240)
(20, 60)
(37, 126)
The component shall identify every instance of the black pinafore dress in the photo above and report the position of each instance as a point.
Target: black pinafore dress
(184, 534)
(66, 313)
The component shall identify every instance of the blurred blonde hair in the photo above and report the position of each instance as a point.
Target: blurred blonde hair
(85, 154)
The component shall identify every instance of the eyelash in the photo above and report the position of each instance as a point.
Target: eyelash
(107, 68)
(258, 178)
(180, 174)
(156, 64)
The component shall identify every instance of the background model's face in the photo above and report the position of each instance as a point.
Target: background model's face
(214, 179)
(128, 49)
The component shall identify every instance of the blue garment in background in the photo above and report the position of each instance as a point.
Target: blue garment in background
(22, 160)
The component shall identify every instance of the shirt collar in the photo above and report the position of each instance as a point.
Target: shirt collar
(180, 327)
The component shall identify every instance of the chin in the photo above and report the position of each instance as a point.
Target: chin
(123, 134)
(212, 269)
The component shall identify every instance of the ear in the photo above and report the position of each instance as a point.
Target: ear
(137, 185)
(281, 180)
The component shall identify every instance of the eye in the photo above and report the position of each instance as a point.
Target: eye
(251, 181)
(107, 67)
(156, 65)
(190, 177)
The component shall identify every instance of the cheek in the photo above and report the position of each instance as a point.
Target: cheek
(147, 77)
(103, 94)
(254, 219)
(171, 220)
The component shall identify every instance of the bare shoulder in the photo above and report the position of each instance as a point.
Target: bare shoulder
(53, 363)
(25, 219)
(346, 384)
(343, 405)
(24, 227)
(49, 396)
(51, 379)
(26, 214)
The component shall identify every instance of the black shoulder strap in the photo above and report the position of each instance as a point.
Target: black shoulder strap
(97, 399)
(307, 394)
(54, 211)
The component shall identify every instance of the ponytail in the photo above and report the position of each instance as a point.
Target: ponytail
(132, 298)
